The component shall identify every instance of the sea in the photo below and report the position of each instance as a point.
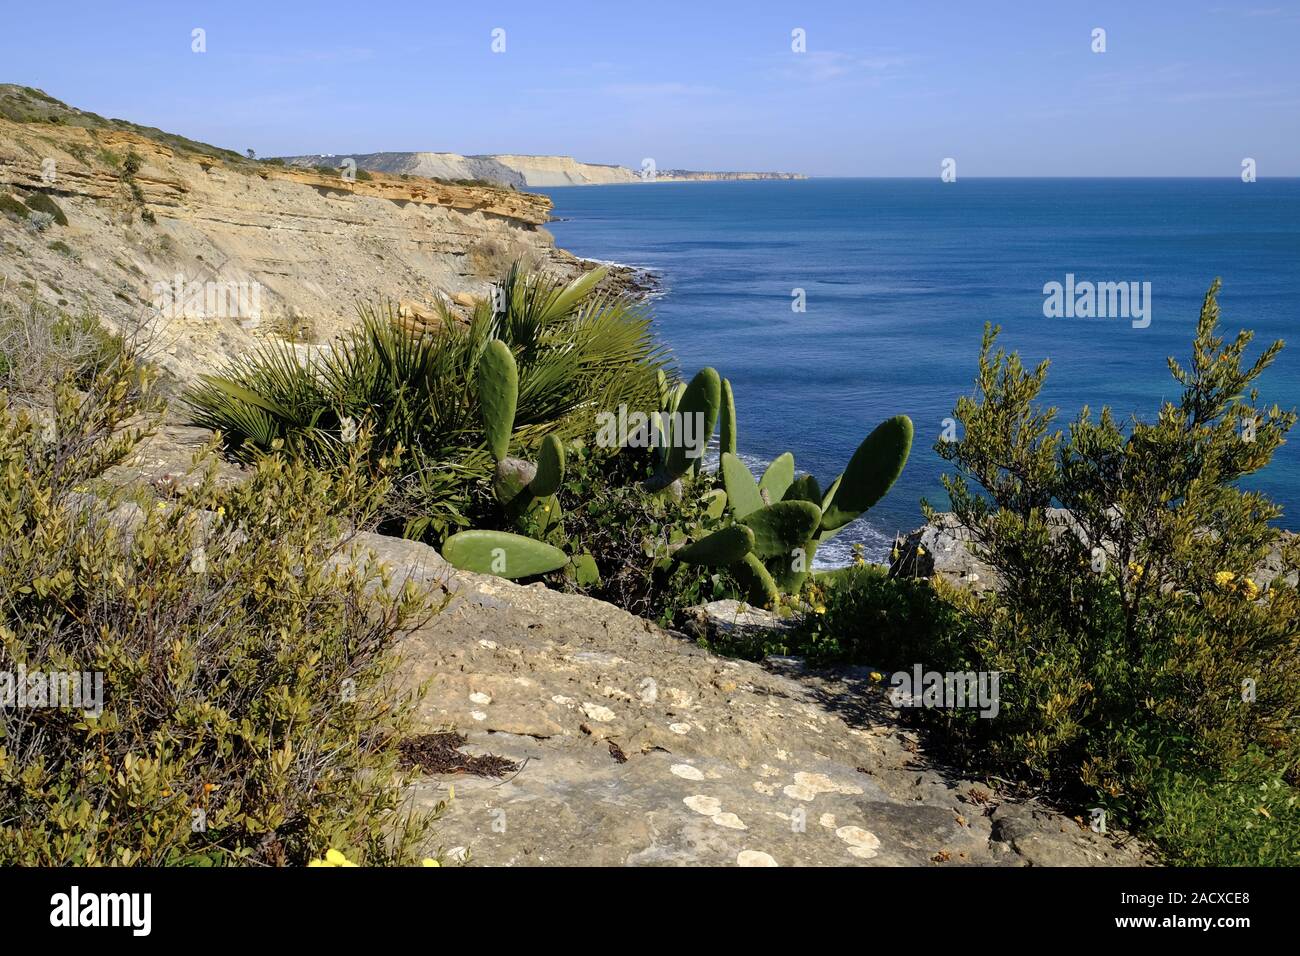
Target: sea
(833, 304)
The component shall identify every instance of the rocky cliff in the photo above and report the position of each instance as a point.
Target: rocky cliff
(254, 249)
(516, 170)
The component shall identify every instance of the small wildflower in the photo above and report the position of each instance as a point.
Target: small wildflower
(332, 858)
(1224, 578)
(877, 676)
(820, 609)
(920, 550)
(1250, 587)
(429, 861)
(347, 430)
(1136, 570)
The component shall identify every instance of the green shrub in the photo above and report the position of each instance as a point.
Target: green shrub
(249, 710)
(40, 202)
(12, 207)
(577, 353)
(41, 347)
(629, 531)
(1142, 666)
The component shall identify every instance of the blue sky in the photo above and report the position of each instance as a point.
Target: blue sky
(884, 89)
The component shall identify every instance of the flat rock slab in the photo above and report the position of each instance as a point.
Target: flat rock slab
(638, 748)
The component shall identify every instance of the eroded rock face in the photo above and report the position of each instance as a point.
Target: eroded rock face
(275, 252)
(726, 763)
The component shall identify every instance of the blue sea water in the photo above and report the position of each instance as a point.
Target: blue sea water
(900, 277)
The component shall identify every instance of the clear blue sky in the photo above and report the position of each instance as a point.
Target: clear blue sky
(1184, 88)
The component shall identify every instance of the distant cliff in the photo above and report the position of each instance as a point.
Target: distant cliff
(517, 170)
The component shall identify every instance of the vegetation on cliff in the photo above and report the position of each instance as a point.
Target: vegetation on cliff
(205, 682)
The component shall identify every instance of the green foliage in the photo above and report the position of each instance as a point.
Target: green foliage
(41, 347)
(727, 420)
(248, 680)
(498, 389)
(13, 207)
(502, 553)
(574, 351)
(1143, 667)
(723, 547)
(698, 403)
(633, 534)
(40, 202)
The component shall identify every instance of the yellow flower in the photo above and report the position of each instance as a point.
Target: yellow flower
(332, 858)
(1224, 578)
(920, 550)
(877, 676)
(429, 861)
(1250, 587)
(1136, 569)
(221, 510)
(820, 609)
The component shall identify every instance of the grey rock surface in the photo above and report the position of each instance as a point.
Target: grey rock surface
(637, 747)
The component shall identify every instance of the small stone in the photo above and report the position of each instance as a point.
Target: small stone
(596, 712)
(648, 690)
(478, 715)
(709, 806)
(478, 697)
(861, 843)
(729, 820)
(754, 858)
(686, 771)
(680, 728)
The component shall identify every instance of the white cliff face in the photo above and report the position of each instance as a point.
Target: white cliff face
(565, 171)
(520, 170)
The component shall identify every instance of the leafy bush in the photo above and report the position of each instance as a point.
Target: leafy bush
(41, 346)
(40, 202)
(577, 353)
(1142, 664)
(39, 221)
(249, 714)
(629, 532)
(12, 207)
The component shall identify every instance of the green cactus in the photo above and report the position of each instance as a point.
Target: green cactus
(782, 527)
(760, 588)
(777, 478)
(804, 488)
(742, 489)
(720, 548)
(727, 421)
(699, 402)
(498, 390)
(550, 468)
(716, 502)
(502, 553)
(871, 472)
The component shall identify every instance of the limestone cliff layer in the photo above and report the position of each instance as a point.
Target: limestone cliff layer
(146, 214)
